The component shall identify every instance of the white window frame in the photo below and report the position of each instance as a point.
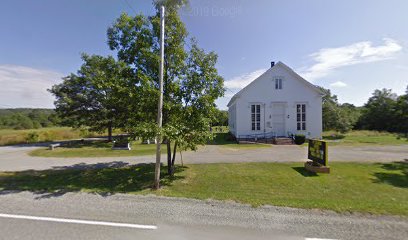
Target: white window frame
(255, 117)
(301, 116)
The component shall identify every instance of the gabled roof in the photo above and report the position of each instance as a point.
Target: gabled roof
(289, 70)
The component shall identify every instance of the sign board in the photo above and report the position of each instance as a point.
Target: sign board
(317, 151)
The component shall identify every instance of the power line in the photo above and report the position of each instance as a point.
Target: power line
(130, 6)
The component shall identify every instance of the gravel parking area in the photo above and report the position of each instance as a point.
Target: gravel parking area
(15, 158)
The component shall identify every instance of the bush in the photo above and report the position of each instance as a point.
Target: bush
(32, 137)
(230, 137)
(300, 139)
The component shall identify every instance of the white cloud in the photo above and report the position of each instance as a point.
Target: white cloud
(338, 84)
(26, 87)
(241, 81)
(328, 59)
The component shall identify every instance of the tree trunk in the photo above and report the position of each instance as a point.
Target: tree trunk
(169, 168)
(181, 159)
(110, 132)
(174, 155)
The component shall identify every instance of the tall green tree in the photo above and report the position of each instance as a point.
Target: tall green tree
(191, 81)
(220, 118)
(401, 113)
(336, 116)
(379, 111)
(97, 96)
(329, 110)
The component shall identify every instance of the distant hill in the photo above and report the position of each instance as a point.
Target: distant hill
(27, 118)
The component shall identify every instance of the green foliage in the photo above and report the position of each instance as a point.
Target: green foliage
(32, 137)
(25, 118)
(191, 80)
(220, 118)
(339, 117)
(97, 96)
(107, 94)
(300, 139)
(385, 111)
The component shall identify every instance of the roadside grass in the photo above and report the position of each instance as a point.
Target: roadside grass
(103, 178)
(97, 149)
(380, 188)
(11, 136)
(363, 137)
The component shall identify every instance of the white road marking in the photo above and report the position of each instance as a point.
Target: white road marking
(77, 221)
(319, 239)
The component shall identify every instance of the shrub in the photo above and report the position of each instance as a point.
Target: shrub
(300, 139)
(49, 136)
(230, 137)
(83, 132)
(32, 137)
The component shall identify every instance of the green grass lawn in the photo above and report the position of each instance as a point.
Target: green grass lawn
(351, 187)
(364, 138)
(97, 149)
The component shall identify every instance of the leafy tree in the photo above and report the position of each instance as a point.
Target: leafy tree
(191, 81)
(97, 96)
(220, 118)
(336, 116)
(348, 117)
(379, 111)
(330, 110)
(21, 121)
(401, 113)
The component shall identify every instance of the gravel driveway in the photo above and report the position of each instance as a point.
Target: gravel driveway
(16, 158)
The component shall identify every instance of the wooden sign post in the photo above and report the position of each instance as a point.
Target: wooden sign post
(318, 153)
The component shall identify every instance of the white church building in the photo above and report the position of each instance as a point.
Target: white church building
(278, 103)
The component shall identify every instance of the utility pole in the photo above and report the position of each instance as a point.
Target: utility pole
(160, 105)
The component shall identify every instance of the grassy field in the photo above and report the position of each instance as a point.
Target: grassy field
(97, 149)
(351, 187)
(11, 136)
(364, 138)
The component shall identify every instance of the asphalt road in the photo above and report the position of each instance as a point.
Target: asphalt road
(16, 158)
(177, 218)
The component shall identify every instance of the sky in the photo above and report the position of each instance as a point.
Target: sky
(350, 47)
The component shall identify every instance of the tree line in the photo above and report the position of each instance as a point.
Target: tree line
(26, 118)
(384, 111)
